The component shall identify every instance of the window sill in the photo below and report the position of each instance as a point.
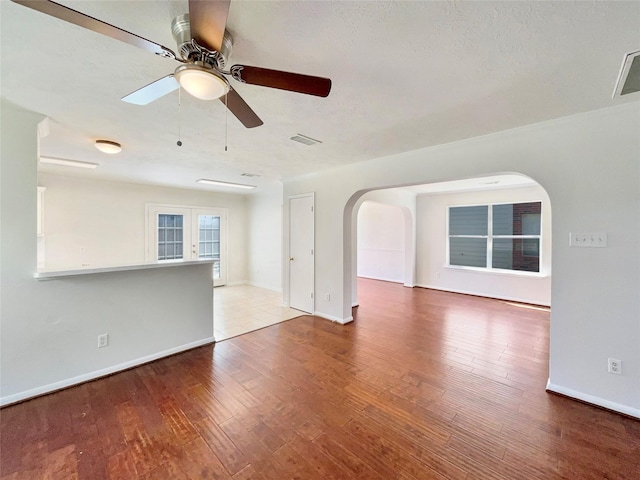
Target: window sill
(508, 273)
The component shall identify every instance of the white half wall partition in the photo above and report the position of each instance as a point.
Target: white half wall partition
(50, 327)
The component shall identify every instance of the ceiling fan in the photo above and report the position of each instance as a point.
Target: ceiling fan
(204, 47)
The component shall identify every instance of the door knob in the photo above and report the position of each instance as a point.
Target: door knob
(291, 259)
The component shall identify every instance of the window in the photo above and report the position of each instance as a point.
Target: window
(503, 236)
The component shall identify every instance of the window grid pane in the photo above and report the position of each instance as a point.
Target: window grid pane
(468, 252)
(209, 238)
(517, 219)
(468, 220)
(169, 236)
(517, 254)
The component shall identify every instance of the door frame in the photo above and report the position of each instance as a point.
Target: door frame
(313, 247)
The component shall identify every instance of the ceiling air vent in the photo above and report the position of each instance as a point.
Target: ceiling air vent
(304, 139)
(251, 175)
(629, 78)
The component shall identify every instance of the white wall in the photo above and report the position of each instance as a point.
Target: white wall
(589, 165)
(406, 202)
(107, 221)
(431, 241)
(264, 249)
(50, 328)
(381, 242)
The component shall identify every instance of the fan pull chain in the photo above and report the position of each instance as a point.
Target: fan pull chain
(179, 143)
(226, 123)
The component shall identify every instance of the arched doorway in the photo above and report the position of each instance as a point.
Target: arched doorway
(426, 210)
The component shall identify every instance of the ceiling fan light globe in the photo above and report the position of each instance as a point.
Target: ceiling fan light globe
(200, 82)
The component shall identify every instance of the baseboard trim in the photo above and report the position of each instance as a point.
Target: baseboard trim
(70, 382)
(593, 400)
(341, 321)
(477, 294)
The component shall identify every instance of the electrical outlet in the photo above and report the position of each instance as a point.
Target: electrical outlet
(103, 340)
(615, 366)
(328, 297)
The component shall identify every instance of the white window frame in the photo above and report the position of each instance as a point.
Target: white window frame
(490, 238)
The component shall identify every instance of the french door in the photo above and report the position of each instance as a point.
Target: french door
(185, 233)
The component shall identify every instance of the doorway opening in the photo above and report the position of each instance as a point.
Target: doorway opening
(421, 213)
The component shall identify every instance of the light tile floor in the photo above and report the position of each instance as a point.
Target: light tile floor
(239, 309)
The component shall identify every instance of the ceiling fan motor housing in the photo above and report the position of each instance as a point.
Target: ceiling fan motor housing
(190, 51)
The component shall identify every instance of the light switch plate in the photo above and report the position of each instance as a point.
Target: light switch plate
(589, 239)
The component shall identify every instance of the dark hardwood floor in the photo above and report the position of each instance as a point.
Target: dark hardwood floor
(423, 385)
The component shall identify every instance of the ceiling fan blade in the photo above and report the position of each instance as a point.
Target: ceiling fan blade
(241, 110)
(208, 20)
(153, 91)
(293, 82)
(72, 16)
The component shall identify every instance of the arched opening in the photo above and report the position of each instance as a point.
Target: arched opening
(427, 261)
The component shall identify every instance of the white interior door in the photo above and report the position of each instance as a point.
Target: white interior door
(188, 233)
(301, 252)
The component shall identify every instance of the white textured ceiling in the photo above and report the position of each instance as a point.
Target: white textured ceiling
(405, 75)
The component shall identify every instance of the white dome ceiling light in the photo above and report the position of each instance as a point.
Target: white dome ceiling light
(107, 146)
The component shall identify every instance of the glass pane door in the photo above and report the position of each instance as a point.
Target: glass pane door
(209, 241)
(168, 233)
(209, 230)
